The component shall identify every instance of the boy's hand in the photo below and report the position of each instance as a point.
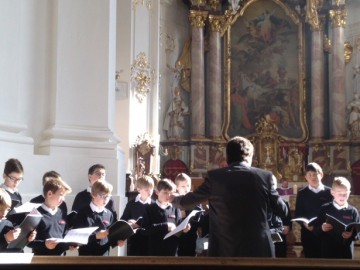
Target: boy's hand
(12, 235)
(32, 236)
(326, 227)
(286, 230)
(50, 243)
(72, 248)
(346, 234)
(187, 228)
(133, 223)
(102, 234)
(121, 243)
(309, 228)
(171, 226)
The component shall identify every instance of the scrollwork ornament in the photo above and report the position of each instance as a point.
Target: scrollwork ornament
(141, 76)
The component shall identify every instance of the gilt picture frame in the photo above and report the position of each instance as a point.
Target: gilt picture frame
(264, 70)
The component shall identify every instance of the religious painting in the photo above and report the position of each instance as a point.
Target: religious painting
(264, 70)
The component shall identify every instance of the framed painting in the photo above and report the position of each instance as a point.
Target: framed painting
(264, 70)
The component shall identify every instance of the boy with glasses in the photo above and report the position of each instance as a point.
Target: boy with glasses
(13, 176)
(83, 198)
(95, 214)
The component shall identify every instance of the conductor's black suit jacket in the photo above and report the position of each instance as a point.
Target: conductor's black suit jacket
(239, 199)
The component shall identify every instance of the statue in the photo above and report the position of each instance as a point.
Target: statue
(174, 122)
(354, 116)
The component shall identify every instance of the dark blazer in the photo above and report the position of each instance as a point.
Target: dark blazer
(240, 198)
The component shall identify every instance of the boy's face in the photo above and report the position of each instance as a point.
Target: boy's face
(100, 200)
(313, 178)
(53, 200)
(183, 187)
(341, 195)
(164, 196)
(97, 175)
(13, 180)
(145, 192)
(3, 211)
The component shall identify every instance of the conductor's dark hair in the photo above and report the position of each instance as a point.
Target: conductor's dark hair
(239, 149)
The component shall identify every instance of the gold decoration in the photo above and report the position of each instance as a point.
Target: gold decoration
(215, 4)
(141, 76)
(348, 49)
(198, 3)
(144, 143)
(338, 17)
(216, 23)
(312, 16)
(267, 145)
(197, 18)
(146, 3)
(327, 44)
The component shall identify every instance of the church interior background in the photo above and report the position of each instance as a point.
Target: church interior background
(158, 87)
(282, 73)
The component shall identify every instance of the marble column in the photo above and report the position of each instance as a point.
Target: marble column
(197, 19)
(215, 85)
(337, 75)
(317, 82)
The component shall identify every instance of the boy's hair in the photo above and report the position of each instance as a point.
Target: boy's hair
(13, 165)
(5, 199)
(145, 181)
(313, 167)
(54, 184)
(101, 187)
(50, 174)
(94, 167)
(166, 184)
(341, 181)
(182, 177)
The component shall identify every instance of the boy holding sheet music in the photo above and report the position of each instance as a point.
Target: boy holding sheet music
(160, 218)
(7, 231)
(95, 214)
(133, 213)
(187, 241)
(53, 223)
(334, 243)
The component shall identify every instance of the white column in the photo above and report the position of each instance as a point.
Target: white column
(83, 88)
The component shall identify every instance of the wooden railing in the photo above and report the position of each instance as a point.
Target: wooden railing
(174, 263)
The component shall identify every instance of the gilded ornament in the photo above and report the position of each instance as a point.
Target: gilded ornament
(141, 76)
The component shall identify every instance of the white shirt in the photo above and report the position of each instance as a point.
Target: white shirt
(138, 199)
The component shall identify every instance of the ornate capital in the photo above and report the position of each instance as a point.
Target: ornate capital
(215, 4)
(217, 23)
(197, 18)
(141, 75)
(338, 17)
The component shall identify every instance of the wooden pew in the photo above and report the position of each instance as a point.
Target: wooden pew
(175, 263)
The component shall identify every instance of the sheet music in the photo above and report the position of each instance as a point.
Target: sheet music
(183, 224)
(80, 236)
